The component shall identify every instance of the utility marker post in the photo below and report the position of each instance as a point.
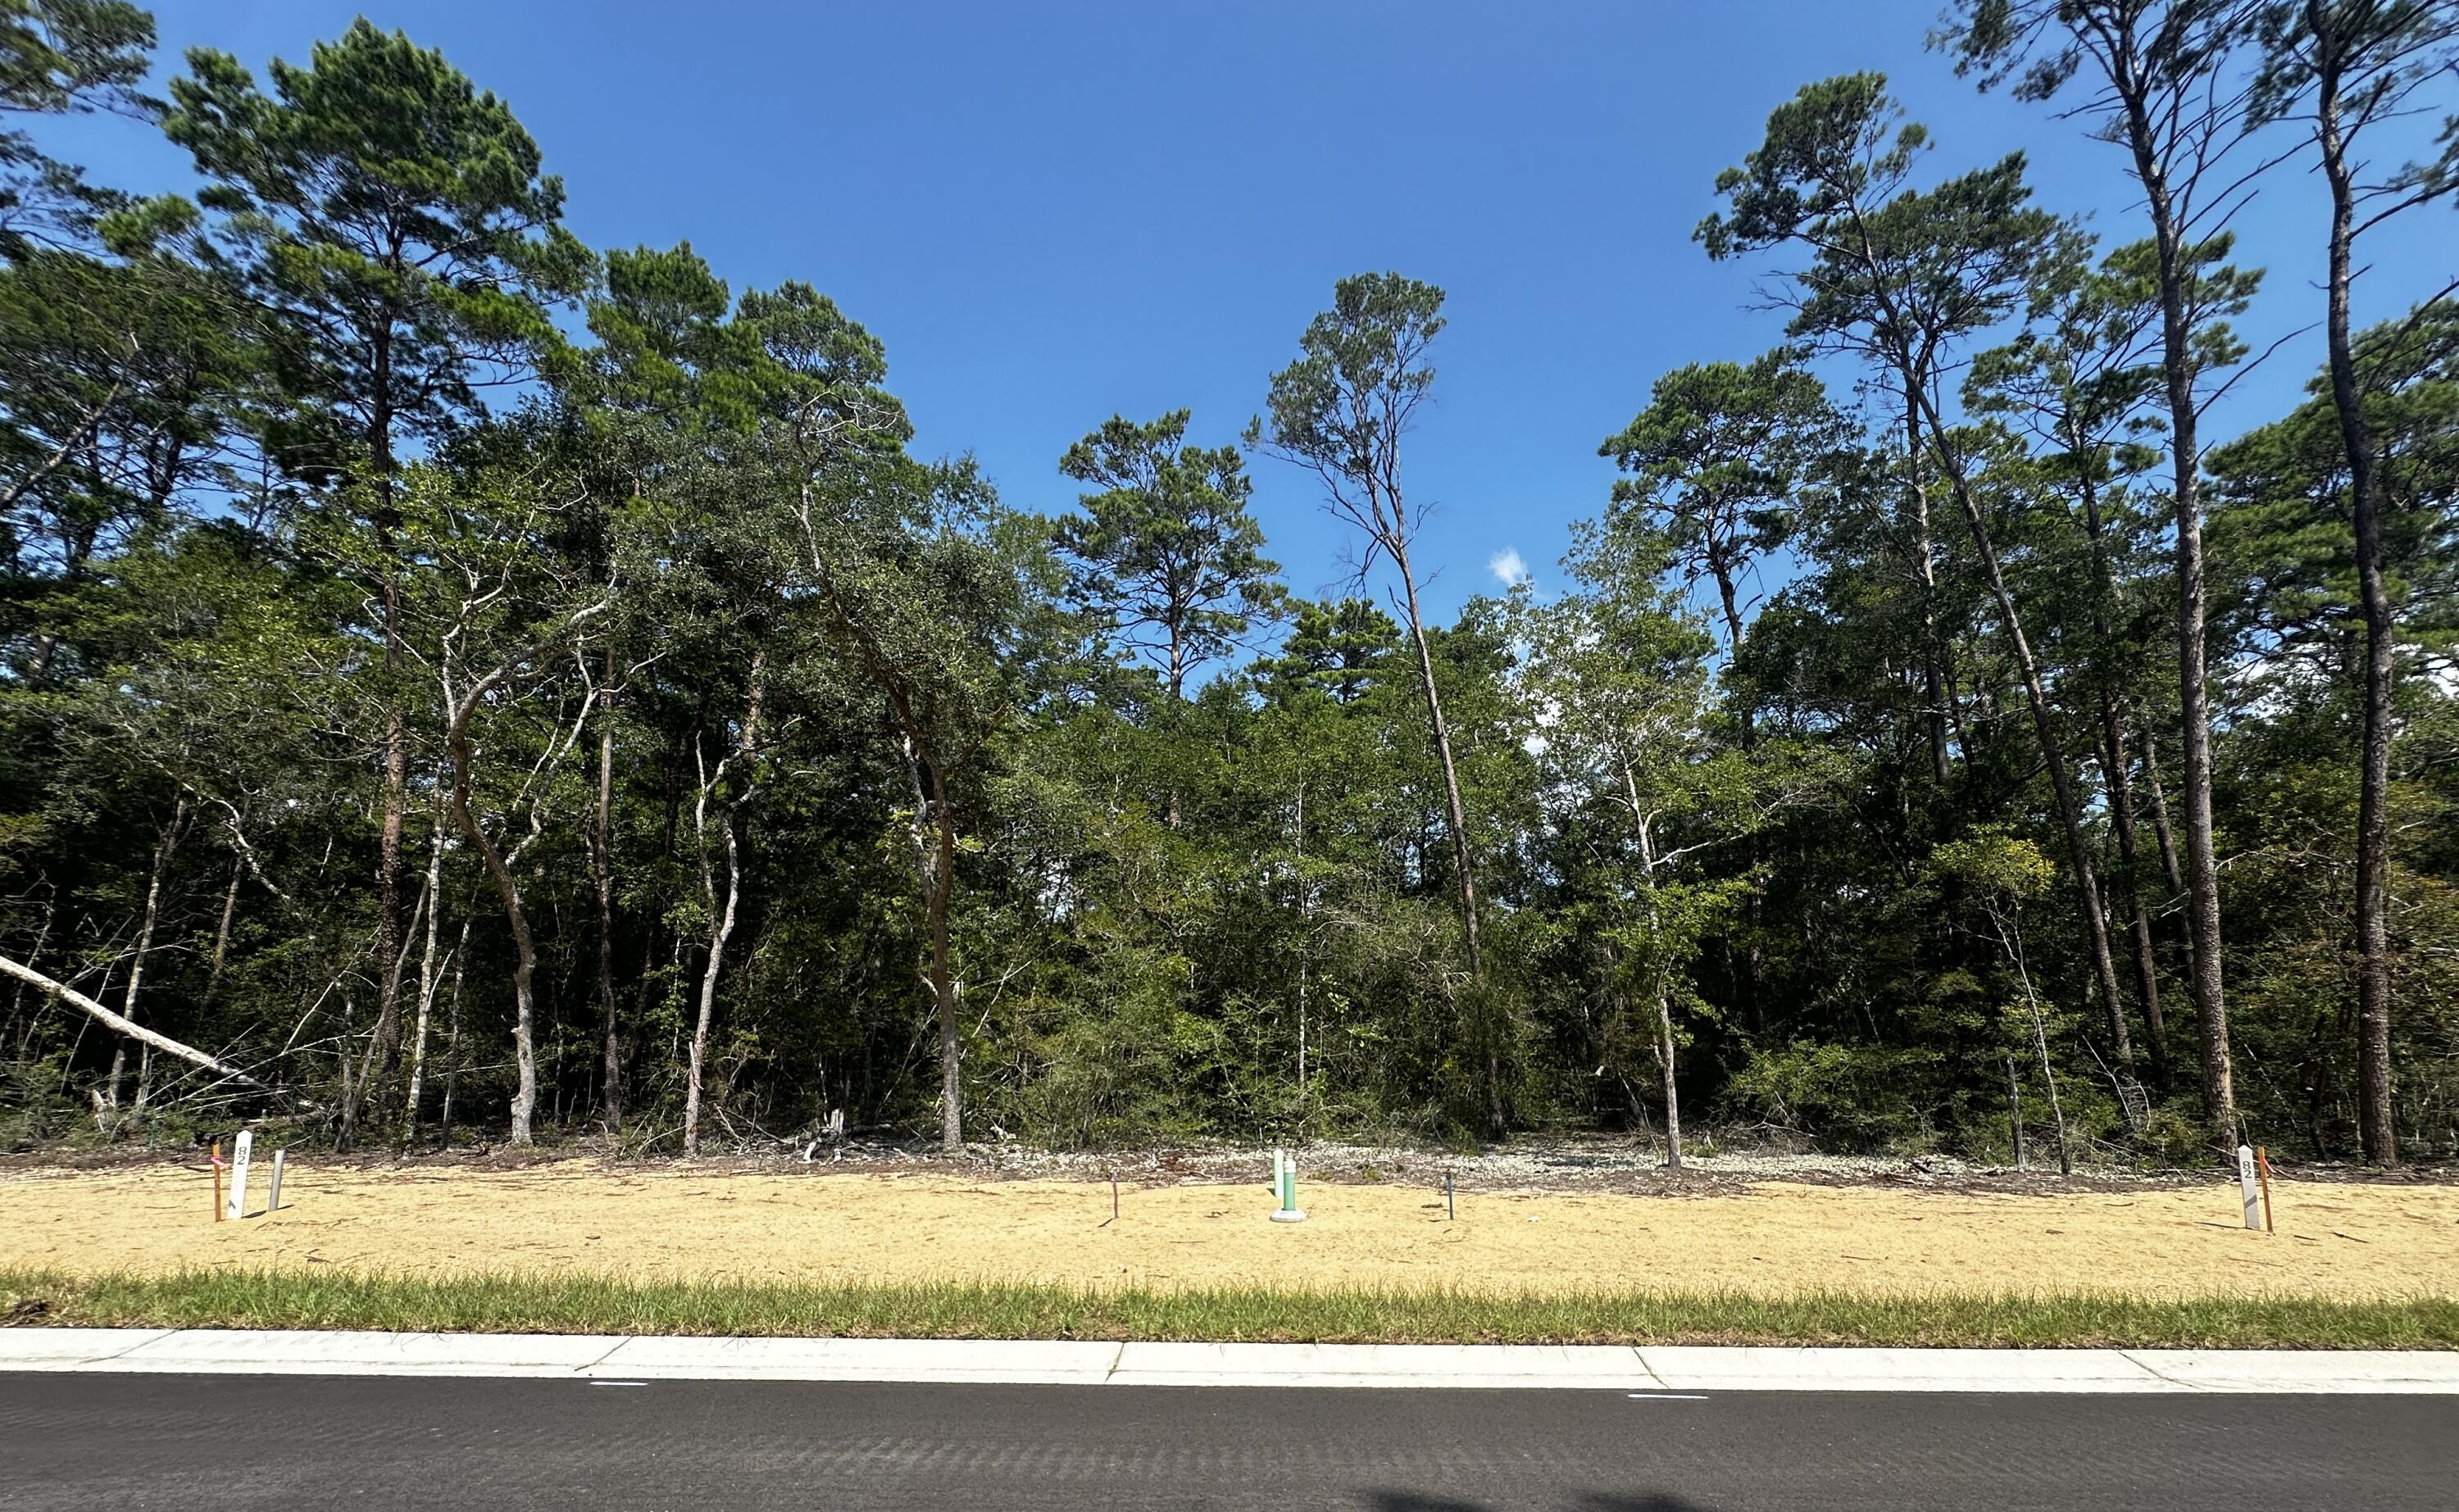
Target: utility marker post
(2263, 1168)
(1284, 1181)
(2245, 1182)
(273, 1188)
(236, 1206)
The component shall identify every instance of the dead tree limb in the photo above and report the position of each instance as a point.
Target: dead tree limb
(144, 1036)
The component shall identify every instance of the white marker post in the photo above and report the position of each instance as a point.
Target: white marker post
(273, 1188)
(2244, 1180)
(235, 1206)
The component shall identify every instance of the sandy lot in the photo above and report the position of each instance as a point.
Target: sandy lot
(2344, 1240)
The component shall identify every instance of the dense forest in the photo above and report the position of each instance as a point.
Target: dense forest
(457, 683)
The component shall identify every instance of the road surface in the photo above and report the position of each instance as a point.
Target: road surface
(205, 1443)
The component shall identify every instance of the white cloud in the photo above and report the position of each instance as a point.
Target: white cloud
(1508, 567)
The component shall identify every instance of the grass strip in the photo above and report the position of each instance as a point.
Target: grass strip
(580, 1303)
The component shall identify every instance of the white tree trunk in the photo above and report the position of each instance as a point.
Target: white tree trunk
(1673, 1101)
(426, 981)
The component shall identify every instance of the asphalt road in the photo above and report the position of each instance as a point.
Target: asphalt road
(205, 1443)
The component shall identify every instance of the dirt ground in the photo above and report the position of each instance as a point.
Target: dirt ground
(2340, 1239)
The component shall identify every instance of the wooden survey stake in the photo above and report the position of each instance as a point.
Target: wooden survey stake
(236, 1206)
(2263, 1168)
(273, 1186)
(218, 1181)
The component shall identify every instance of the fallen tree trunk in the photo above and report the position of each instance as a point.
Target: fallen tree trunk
(144, 1036)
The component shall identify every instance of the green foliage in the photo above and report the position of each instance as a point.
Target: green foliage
(398, 214)
(1852, 1097)
(1166, 555)
(58, 57)
(1341, 409)
(2284, 523)
(762, 767)
(1717, 457)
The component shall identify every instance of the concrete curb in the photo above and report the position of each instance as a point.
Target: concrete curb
(1670, 1369)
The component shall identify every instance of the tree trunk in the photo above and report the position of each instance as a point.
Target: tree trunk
(426, 979)
(1933, 681)
(2015, 1111)
(1178, 669)
(2121, 797)
(1752, 1015)
(144, 946)
(1734, 645)
(1306, 950)
(721, 919)
(2121, 814)
(2160, 820)
(357, 1091)
(2185, 455)
(223, 929)
(390, 944)
(525, 952)
(459, 957)
(943, 981)
(1640, 825)
(1672, 1099)
(2012, 938)
(720, 932)
(601, 877)
(2376, 1124)
(1457, 813)
(2057, 1111)
(2043, 726)
(453, 1041)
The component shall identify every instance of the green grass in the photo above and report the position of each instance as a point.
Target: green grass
(589, 1303)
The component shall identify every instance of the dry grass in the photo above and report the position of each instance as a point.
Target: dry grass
(1773, 1243)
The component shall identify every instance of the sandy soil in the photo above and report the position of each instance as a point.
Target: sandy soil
(2340, 1239)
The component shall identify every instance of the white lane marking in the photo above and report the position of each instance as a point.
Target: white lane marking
(1666, 1396)
(618, 1383)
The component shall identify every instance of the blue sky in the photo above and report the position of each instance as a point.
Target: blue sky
(1052, 212)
